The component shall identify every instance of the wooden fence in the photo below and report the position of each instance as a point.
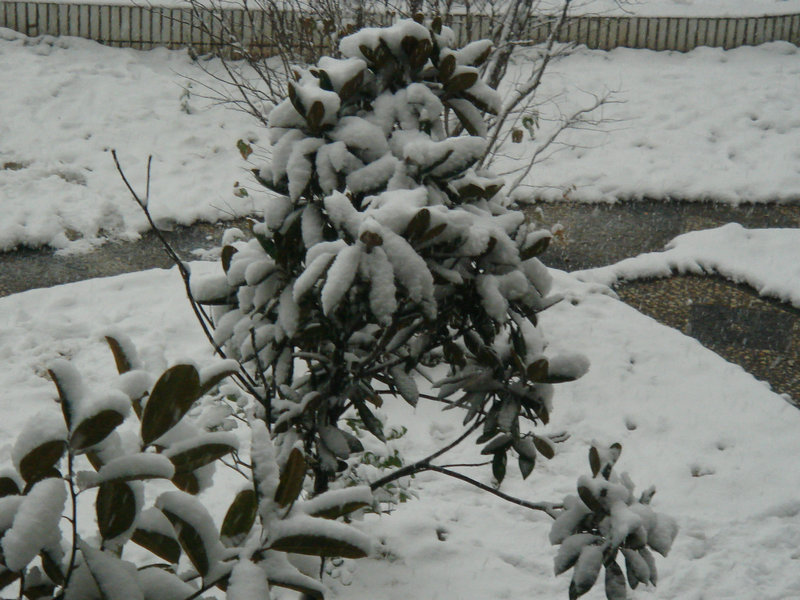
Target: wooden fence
(145, 27)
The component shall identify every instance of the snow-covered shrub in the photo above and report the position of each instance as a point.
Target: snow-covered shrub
(97, 452)
(605, 520)
(385, 254)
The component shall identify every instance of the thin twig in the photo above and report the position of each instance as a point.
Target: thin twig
(242, 377)
(547, 507)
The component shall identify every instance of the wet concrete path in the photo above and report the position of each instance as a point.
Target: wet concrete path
(761, 335)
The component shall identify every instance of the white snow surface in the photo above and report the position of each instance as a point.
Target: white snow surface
(648, 8)
(676, 407)
(709, 124)
(68, 102)
(765, 259)
(705, 124)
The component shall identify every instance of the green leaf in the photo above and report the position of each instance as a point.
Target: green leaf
(325, 82)
(351, 87)
(8, 487)
(420, 54)
(544, 446)
(209, 383)
(371, 422)
(315, 115)
(594, 461)
(334, 512)
(226, 256)
(115, 507)
(536, 248)
(239, 519)
(501, 443)
(418, 225)
(453, 354)
(198, 456)
(7, 577)
(52, 566)
(291, 480)
(191, 541)
(461, 82)
(161, 545)
(187, 482)
(244, 148)
(315, 544)
(446, 67)
(371, 239)
(526, 466)
(171, 398)
(123, 362)
(433, 232)
(465, 119)
(41, 460)
(589, 500)
(616, 589)
(537, 370)
(68, 403)
(499, 466)
(95, 429)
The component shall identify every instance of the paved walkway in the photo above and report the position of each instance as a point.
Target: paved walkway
(761, 335)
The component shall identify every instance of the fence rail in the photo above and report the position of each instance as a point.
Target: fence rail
(145, 27)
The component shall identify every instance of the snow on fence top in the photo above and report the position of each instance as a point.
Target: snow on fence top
(176, 25)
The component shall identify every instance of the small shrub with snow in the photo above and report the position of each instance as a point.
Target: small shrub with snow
(386, 255)
(384, 252)
(105, 447)
(606, 522)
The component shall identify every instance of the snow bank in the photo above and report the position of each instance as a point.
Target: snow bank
(765, 259)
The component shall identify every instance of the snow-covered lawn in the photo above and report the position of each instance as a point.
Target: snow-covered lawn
(720, 446)
(707, 124)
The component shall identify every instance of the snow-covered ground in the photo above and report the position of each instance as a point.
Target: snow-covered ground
(707, 124)
(685, 8)
(765, 259)
(720, 447)
(645, 8)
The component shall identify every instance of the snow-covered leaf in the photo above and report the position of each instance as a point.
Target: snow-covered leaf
(95, 429)
(248, 581)
(340, 277)
(115, 578)
(291, 480)
(171, 398)
(70, 386)
(155, 533)
(661, 536)
(36, 523)
(200, 450)
(125, 356)
(115, 507)
(240, 517)
(587, 568)
(336, 503)
(570, 549)
(216, 373)
(319, 537)
(195, 529)
(616, 588)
